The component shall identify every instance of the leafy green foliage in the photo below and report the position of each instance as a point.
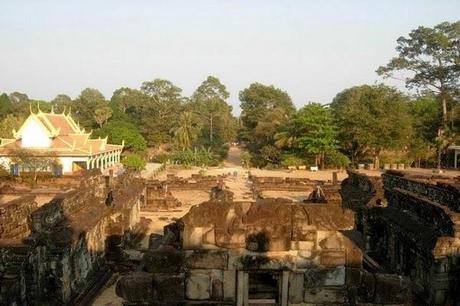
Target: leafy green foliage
(291, 160)
(336, 159)
(257, 100)
(117, 131)
(372, 119)
(188, 157)
(8, 124)
(133, 162)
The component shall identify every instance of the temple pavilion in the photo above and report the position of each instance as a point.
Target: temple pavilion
(58, 135)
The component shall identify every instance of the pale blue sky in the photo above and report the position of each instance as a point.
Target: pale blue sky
(311, 49)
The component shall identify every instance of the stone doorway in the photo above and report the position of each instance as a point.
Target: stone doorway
(264, 288)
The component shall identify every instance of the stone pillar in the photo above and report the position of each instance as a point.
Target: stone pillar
(242, 289)
(334, 177)
(284, 288)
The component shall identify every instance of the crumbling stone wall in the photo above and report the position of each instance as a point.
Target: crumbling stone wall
(416, 234)
(14, 217)
(211, 251)
(64, 254)
(359, 190)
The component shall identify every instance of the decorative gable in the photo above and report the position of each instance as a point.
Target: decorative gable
(33, 134)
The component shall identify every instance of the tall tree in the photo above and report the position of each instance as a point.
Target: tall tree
(125, 98)
(5, 105)
(312, 130)
(86, 104)
(430, 59)
(8, 124)
(258, 99)
(18, 97)
(102, 114)
(186, 132)
(159, 112)
(60, 102)
(208, 101)
(372, 119)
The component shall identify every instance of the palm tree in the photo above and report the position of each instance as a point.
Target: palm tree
(186, 132)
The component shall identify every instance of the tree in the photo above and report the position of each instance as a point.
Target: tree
(310, 130)
(264, 110)
(125, 98)
(186, 132)
(119, 131)
(60, 102)
(101, 115)
(208, 101)
(18, 97)
(371, 119)
(159, 112)
(133, 162)
(430, 57)
(8, 124)
(258, 99)
(86, 104)
(33, 162)
(5, 105)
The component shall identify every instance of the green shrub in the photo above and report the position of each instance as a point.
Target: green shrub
(336, 159)
(290, 160)
(133, 162)
(245, 157)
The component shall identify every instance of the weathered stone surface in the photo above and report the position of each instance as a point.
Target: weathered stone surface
(391, 289)
(296, 287)
(164, 260)
(169, 287)
(325, 296)
(198, 286)
(229, 284)
(206, 259)
(217, 285)
(136, 287)
(335, 277)
(62, 255)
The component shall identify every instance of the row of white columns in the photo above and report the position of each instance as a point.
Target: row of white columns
(104, 160)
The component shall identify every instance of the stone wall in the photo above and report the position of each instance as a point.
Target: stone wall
(63, 256)
(210, 254)
(415, 233)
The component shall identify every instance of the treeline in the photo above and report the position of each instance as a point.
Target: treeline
(363, 124)
(366, 124)
(155, 119)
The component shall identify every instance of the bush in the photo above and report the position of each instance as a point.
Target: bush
(201, 157)
(161, 158)
(222, 151)
(133, 162)
(290, 160)
(246, 158)
(336, 159)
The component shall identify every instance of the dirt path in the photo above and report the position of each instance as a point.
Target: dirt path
(233, 160)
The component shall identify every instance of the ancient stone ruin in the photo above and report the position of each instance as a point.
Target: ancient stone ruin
(409, 225)
(269, 251)
(373, 240)
(56, 243)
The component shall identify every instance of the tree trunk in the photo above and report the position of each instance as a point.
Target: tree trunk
(210, 128)
(322, 160)
(377, 160)
(444, 110)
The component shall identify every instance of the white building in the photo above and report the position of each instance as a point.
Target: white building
(58, 135)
